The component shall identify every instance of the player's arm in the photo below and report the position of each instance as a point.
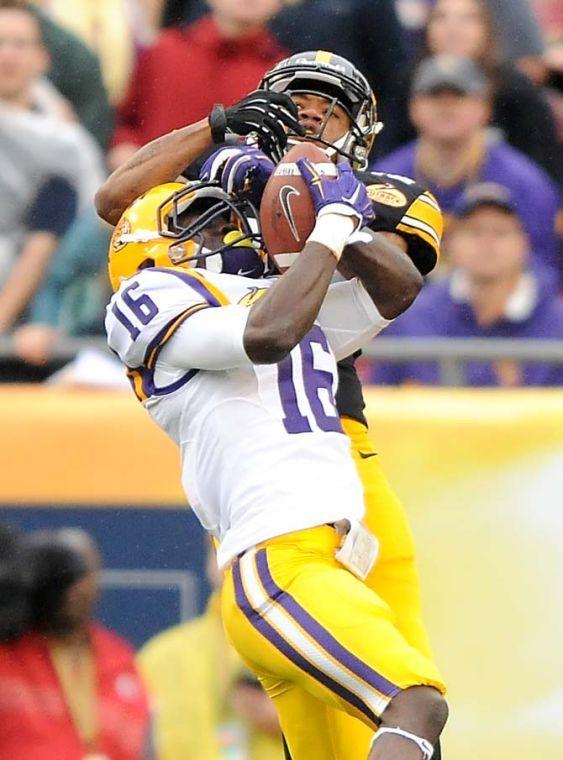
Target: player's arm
(279, 321)
(233, 335)
(163, 160)
(222, 338)
(380, 262)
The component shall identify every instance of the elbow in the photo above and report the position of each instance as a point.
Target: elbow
(267, 346)
(403, 297)
(106, 207)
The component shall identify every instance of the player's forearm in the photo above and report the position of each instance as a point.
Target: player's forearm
(385, 271)
(282, 318)
(160, 161)
(25, 277)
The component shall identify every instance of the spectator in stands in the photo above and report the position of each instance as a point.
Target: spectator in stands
(522, 40)
(112, 29)
(517, 30)
(49, 166)
(72, 298)
(176, 12)
(74, 71)
(492, 293)
(207, 705)
(14, 584)
(367, 33)
(69, 687)
(218, 59)
(551, 19)
(450, 107)
(520, 109)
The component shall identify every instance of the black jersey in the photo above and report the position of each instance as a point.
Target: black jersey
(404, 207)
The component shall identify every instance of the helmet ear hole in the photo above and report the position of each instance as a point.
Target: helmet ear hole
(146, 264)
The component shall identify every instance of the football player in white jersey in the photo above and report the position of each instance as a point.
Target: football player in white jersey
(241, 373)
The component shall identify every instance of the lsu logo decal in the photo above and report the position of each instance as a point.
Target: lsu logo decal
(387, 195)
(123, 228)
(254, 294)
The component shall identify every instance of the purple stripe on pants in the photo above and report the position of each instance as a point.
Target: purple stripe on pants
(320, 634)
(283, 646)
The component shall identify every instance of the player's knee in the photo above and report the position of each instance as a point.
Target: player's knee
(419, 708)
(437, 711)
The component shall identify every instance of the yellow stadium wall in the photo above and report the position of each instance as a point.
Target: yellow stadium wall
(481, 475)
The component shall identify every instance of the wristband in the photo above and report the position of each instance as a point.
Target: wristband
(218, 123)
(333, 230)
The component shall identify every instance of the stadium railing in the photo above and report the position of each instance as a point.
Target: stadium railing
(450, 353)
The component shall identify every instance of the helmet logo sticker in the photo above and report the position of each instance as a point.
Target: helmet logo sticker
(285, 199)
(387, 195)
(123, 228)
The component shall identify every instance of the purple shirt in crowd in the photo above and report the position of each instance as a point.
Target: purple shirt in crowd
(534, 194)
(441, 311)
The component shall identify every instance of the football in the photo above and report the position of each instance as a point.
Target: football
(287, 215)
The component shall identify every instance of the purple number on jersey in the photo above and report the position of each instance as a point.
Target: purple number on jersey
(143, 308)
(315, 381)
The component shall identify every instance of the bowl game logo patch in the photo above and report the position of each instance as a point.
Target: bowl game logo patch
(387, 195)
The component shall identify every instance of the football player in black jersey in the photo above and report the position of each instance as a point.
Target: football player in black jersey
(338, 111)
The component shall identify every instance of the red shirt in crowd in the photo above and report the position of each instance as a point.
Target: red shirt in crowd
(180, 78)
(35, 722)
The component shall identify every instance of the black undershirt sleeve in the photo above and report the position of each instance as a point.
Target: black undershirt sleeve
(349, 397)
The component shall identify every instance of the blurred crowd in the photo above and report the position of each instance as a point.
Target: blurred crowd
(71, 689)
(470, 92)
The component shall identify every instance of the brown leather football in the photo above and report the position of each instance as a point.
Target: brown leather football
(287, 215)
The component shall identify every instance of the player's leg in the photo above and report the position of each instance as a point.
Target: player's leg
(394, 577)
(406, 725)
(306, 625)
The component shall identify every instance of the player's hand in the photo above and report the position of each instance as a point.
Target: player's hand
(242, 171)
(343, 194)
(268, 114)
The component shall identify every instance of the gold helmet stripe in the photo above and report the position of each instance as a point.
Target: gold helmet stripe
(323, 56)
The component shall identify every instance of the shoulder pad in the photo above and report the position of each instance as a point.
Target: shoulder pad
(406, 208)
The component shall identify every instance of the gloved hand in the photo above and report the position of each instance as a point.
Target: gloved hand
(343, 194)
(242, 171)
(265, 113)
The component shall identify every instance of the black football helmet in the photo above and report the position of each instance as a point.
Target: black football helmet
(330, 76)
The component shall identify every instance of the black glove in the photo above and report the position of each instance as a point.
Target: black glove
(268, 114)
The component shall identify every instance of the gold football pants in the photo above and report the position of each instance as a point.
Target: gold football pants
(394, 577)
(321, 642)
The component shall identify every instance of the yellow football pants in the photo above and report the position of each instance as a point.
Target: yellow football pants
(317, 637)
(394, 577)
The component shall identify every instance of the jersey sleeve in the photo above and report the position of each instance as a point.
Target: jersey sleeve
(406, 208)
(212, 340)
(149, 309)
(349, 318)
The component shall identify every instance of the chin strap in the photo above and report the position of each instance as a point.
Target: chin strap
(425, 747)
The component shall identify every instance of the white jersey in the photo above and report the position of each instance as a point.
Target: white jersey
(263, 452)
